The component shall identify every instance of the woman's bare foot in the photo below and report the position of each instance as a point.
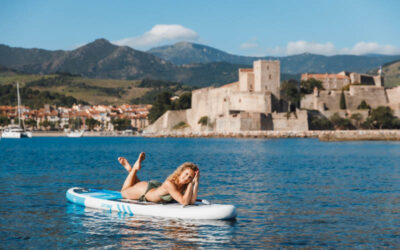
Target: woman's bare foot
(124, 162)
(138, 163)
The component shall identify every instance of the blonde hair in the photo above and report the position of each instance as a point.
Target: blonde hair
(174, 176)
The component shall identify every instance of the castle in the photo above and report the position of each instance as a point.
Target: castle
(252, 103)
(359, 88)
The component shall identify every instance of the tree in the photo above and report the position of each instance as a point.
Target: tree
(4, 121)
(203, 120)
(320, 123)
(342, 101)
(30, 123)
(307, 87)
(363, 105)
(121, 123)
(291, 93)
(162, 104)
(382, 118)
(341, 123)
(75, 124)
(357, 117)
(92, 123)
(48, 125)
(184, 101)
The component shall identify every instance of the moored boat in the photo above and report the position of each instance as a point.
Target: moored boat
(75, 133)
(15, 131)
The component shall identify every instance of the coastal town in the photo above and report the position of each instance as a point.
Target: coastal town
(257, 103)
(78, 117)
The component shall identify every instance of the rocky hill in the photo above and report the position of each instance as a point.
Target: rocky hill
(186, 53)
(101, 59)
(203, 65)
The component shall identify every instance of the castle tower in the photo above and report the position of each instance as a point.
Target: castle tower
(267, 77)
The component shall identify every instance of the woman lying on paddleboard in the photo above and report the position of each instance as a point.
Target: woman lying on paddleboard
(182, 185)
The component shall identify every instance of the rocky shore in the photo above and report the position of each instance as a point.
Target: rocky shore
(328, 135)
(323, 135)
(86, 134)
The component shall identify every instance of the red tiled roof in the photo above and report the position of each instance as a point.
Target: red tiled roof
(246, 70)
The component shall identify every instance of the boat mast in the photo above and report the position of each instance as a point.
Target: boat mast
(19, 106)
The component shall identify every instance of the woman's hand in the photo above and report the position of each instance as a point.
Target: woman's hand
(196, 177)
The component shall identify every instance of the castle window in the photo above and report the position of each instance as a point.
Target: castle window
(267, 67)
(224, 99)
(240, 100)
(270, 77)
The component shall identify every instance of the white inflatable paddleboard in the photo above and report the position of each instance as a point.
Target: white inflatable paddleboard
(113, 201)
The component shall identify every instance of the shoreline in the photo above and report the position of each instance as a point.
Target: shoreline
(322, 135)
(86, 134)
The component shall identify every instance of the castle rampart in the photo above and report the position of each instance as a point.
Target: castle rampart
(246, 105)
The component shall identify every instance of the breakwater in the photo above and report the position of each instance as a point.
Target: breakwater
(323, 135)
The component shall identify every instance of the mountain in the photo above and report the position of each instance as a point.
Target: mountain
(99, 59)
(208, 66)
(187, 53)
(391, 72)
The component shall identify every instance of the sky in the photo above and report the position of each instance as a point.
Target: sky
(252, 28)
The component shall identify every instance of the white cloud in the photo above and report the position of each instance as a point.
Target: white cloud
(371, 48)
(361, 48)
(299, 47)
(159, 34)
(252, 44)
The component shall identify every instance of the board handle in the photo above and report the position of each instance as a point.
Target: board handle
(206, 202)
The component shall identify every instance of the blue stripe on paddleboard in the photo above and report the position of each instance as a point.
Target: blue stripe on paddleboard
(123, 208)
(127, 210)
(130, 211)
(75, 199)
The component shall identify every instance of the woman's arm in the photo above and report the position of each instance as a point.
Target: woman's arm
(196, 181)
(173, 191)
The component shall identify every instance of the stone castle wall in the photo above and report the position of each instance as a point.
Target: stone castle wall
(374, 96)
(210, 102)
(244, 121)
(290, 121)
(394, 100)
(168, 120)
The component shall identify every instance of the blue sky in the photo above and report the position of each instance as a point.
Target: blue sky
(251, 27)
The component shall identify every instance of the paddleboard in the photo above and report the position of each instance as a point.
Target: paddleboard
(113, 201)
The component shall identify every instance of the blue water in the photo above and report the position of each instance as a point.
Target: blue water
(289, 193)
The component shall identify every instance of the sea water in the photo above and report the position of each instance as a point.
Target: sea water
(288, 193)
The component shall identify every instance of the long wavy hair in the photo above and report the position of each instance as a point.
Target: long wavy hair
(175, 175)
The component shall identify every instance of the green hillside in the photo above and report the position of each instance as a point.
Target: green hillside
(65, 89)
(391, 72)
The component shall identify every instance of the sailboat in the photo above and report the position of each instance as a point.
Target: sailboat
(15, 131)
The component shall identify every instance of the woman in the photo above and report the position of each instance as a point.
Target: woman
(181, 186)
